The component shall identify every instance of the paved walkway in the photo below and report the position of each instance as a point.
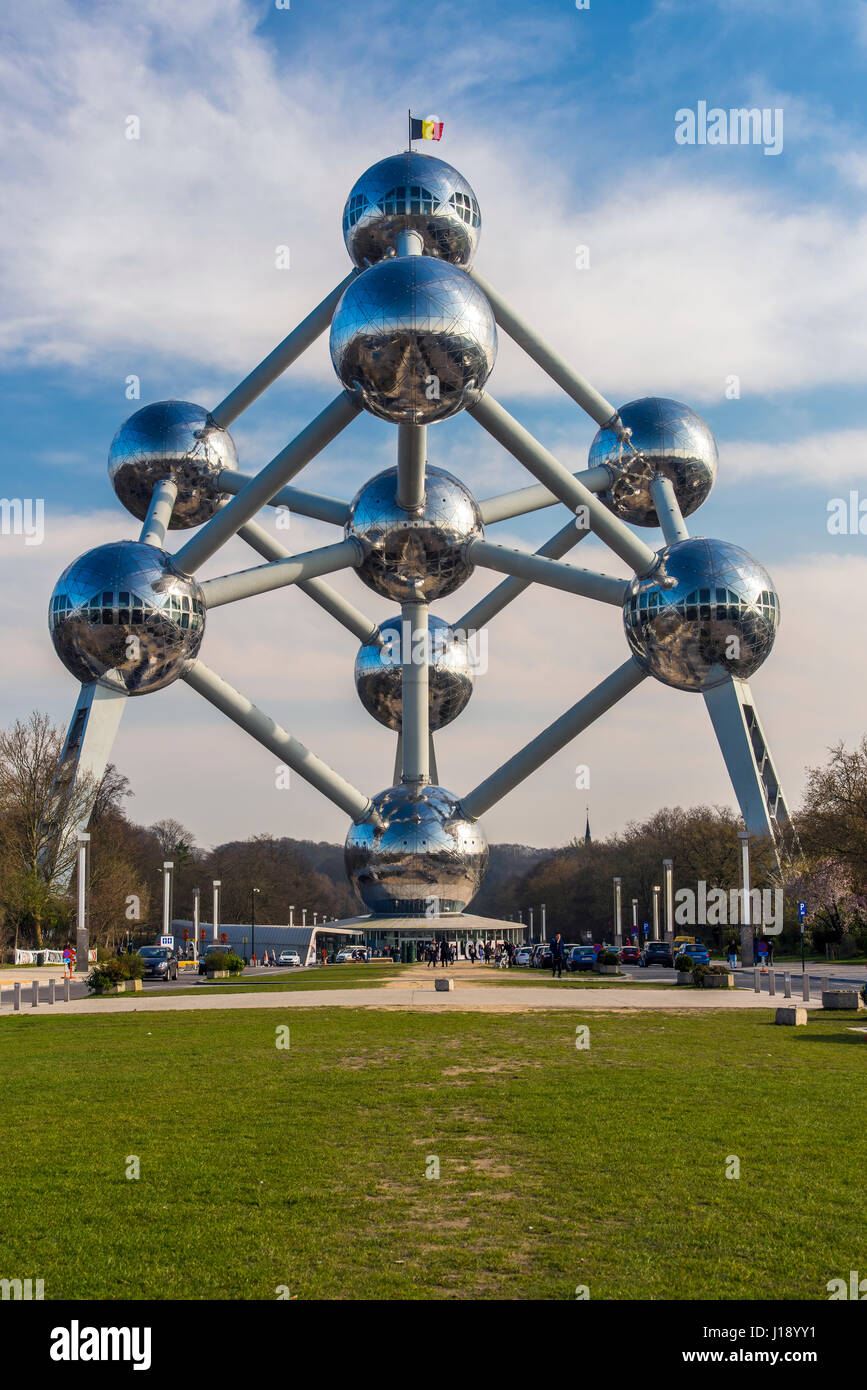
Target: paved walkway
(468, 998)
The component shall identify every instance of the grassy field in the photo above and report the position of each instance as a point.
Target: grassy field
(305, 1167)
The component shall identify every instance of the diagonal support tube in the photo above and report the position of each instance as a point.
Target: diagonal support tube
(493, 603)
(295, 499)
(282, 357)
(289, 750)
(540, 570)
(551, 740)
(259, 491)
(585, 395)
(533, 499)
(543, 465)
(668, 510)
(229, 588)
(328, 599)
(156, 523)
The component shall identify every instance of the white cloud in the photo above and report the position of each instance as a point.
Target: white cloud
(163, 247)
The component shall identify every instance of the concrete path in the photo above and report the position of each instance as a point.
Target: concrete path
(469, 998)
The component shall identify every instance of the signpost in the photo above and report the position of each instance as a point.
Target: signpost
(802, 912)
(168, 941)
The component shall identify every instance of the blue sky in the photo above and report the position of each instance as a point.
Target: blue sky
(156, 257)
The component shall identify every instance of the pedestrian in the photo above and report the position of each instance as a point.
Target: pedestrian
(732, 954)
(762, 953)
(770, 946)
(557, 954)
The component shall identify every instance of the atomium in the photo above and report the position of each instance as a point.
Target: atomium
(173, 440)
(414, 340)
(451, 671)
(411, 192)
(415, 555)
(425, 852)
(717, 618)
(670, 440)
(122, 608)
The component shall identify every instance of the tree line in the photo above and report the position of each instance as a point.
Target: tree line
(828, 868)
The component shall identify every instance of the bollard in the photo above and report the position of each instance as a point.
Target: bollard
(66, 983)
(35, 994)
(805, 986)
(757, 980)
(16, 1000)
(51, 990)
(772, 982)
(787, 985)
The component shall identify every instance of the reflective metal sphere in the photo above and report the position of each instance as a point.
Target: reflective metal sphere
(378, 676)
(416, 192)
(177, 440)
(414, 340)
(721, 611)
(123, 608)
(428, 850)
(421, 555)
(672, 440)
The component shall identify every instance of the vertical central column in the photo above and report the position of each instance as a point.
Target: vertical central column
(415, 741)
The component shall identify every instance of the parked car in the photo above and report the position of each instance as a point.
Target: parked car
(697, 952)
(161, 962)
(350, 953)
(524, 955)
(630, 955)
(657, 953)
(542, 958)
(215, 949)
(581, 958)
(288, 958)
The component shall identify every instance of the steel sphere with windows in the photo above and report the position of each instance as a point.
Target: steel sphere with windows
(415, 555)
(123, 608)
(672, 440)
(425, 857)
(173, 440)
(708, 611)
(379, 677)
(411, 192)
(414, 340)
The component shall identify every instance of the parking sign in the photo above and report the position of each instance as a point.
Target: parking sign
(167, 941)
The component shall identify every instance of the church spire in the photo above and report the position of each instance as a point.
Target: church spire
(587, 839)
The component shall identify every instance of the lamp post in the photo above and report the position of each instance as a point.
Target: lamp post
(304, 916)
(168, 869)
(543, 910)
(216, 884)
(618, 911)
(196, 914)
(253, 892)
(291, 910)
(82, 926)
(656, 891)
(635, 917)
(668, 898)
(748, 944)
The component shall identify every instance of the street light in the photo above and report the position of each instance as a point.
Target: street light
(253, 892)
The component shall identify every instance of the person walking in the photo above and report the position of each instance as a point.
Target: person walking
(557, 954)
(733, 954)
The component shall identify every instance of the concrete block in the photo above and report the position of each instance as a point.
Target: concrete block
(443, 982)
(791, 1016)
(842, 999)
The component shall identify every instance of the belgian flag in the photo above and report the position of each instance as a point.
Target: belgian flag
(427, 129)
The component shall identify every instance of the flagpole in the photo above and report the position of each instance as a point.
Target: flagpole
(409, 129)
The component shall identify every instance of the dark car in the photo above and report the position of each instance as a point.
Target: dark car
(657, 953)
(211, 951)
(542, 958)
(630, 955)
(160, 962)
(581, 958)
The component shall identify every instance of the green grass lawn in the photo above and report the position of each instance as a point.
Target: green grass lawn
(305, 1167)
(338, 977)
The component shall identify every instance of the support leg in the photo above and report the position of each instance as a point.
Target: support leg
(156, 523)
(415, 708)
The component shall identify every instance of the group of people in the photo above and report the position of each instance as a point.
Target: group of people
(484, 952)
(763, 953)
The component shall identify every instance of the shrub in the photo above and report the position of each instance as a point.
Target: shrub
(683, 962)
(232, 963)
(607, 957)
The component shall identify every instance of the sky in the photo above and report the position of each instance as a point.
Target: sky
(703, 265)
